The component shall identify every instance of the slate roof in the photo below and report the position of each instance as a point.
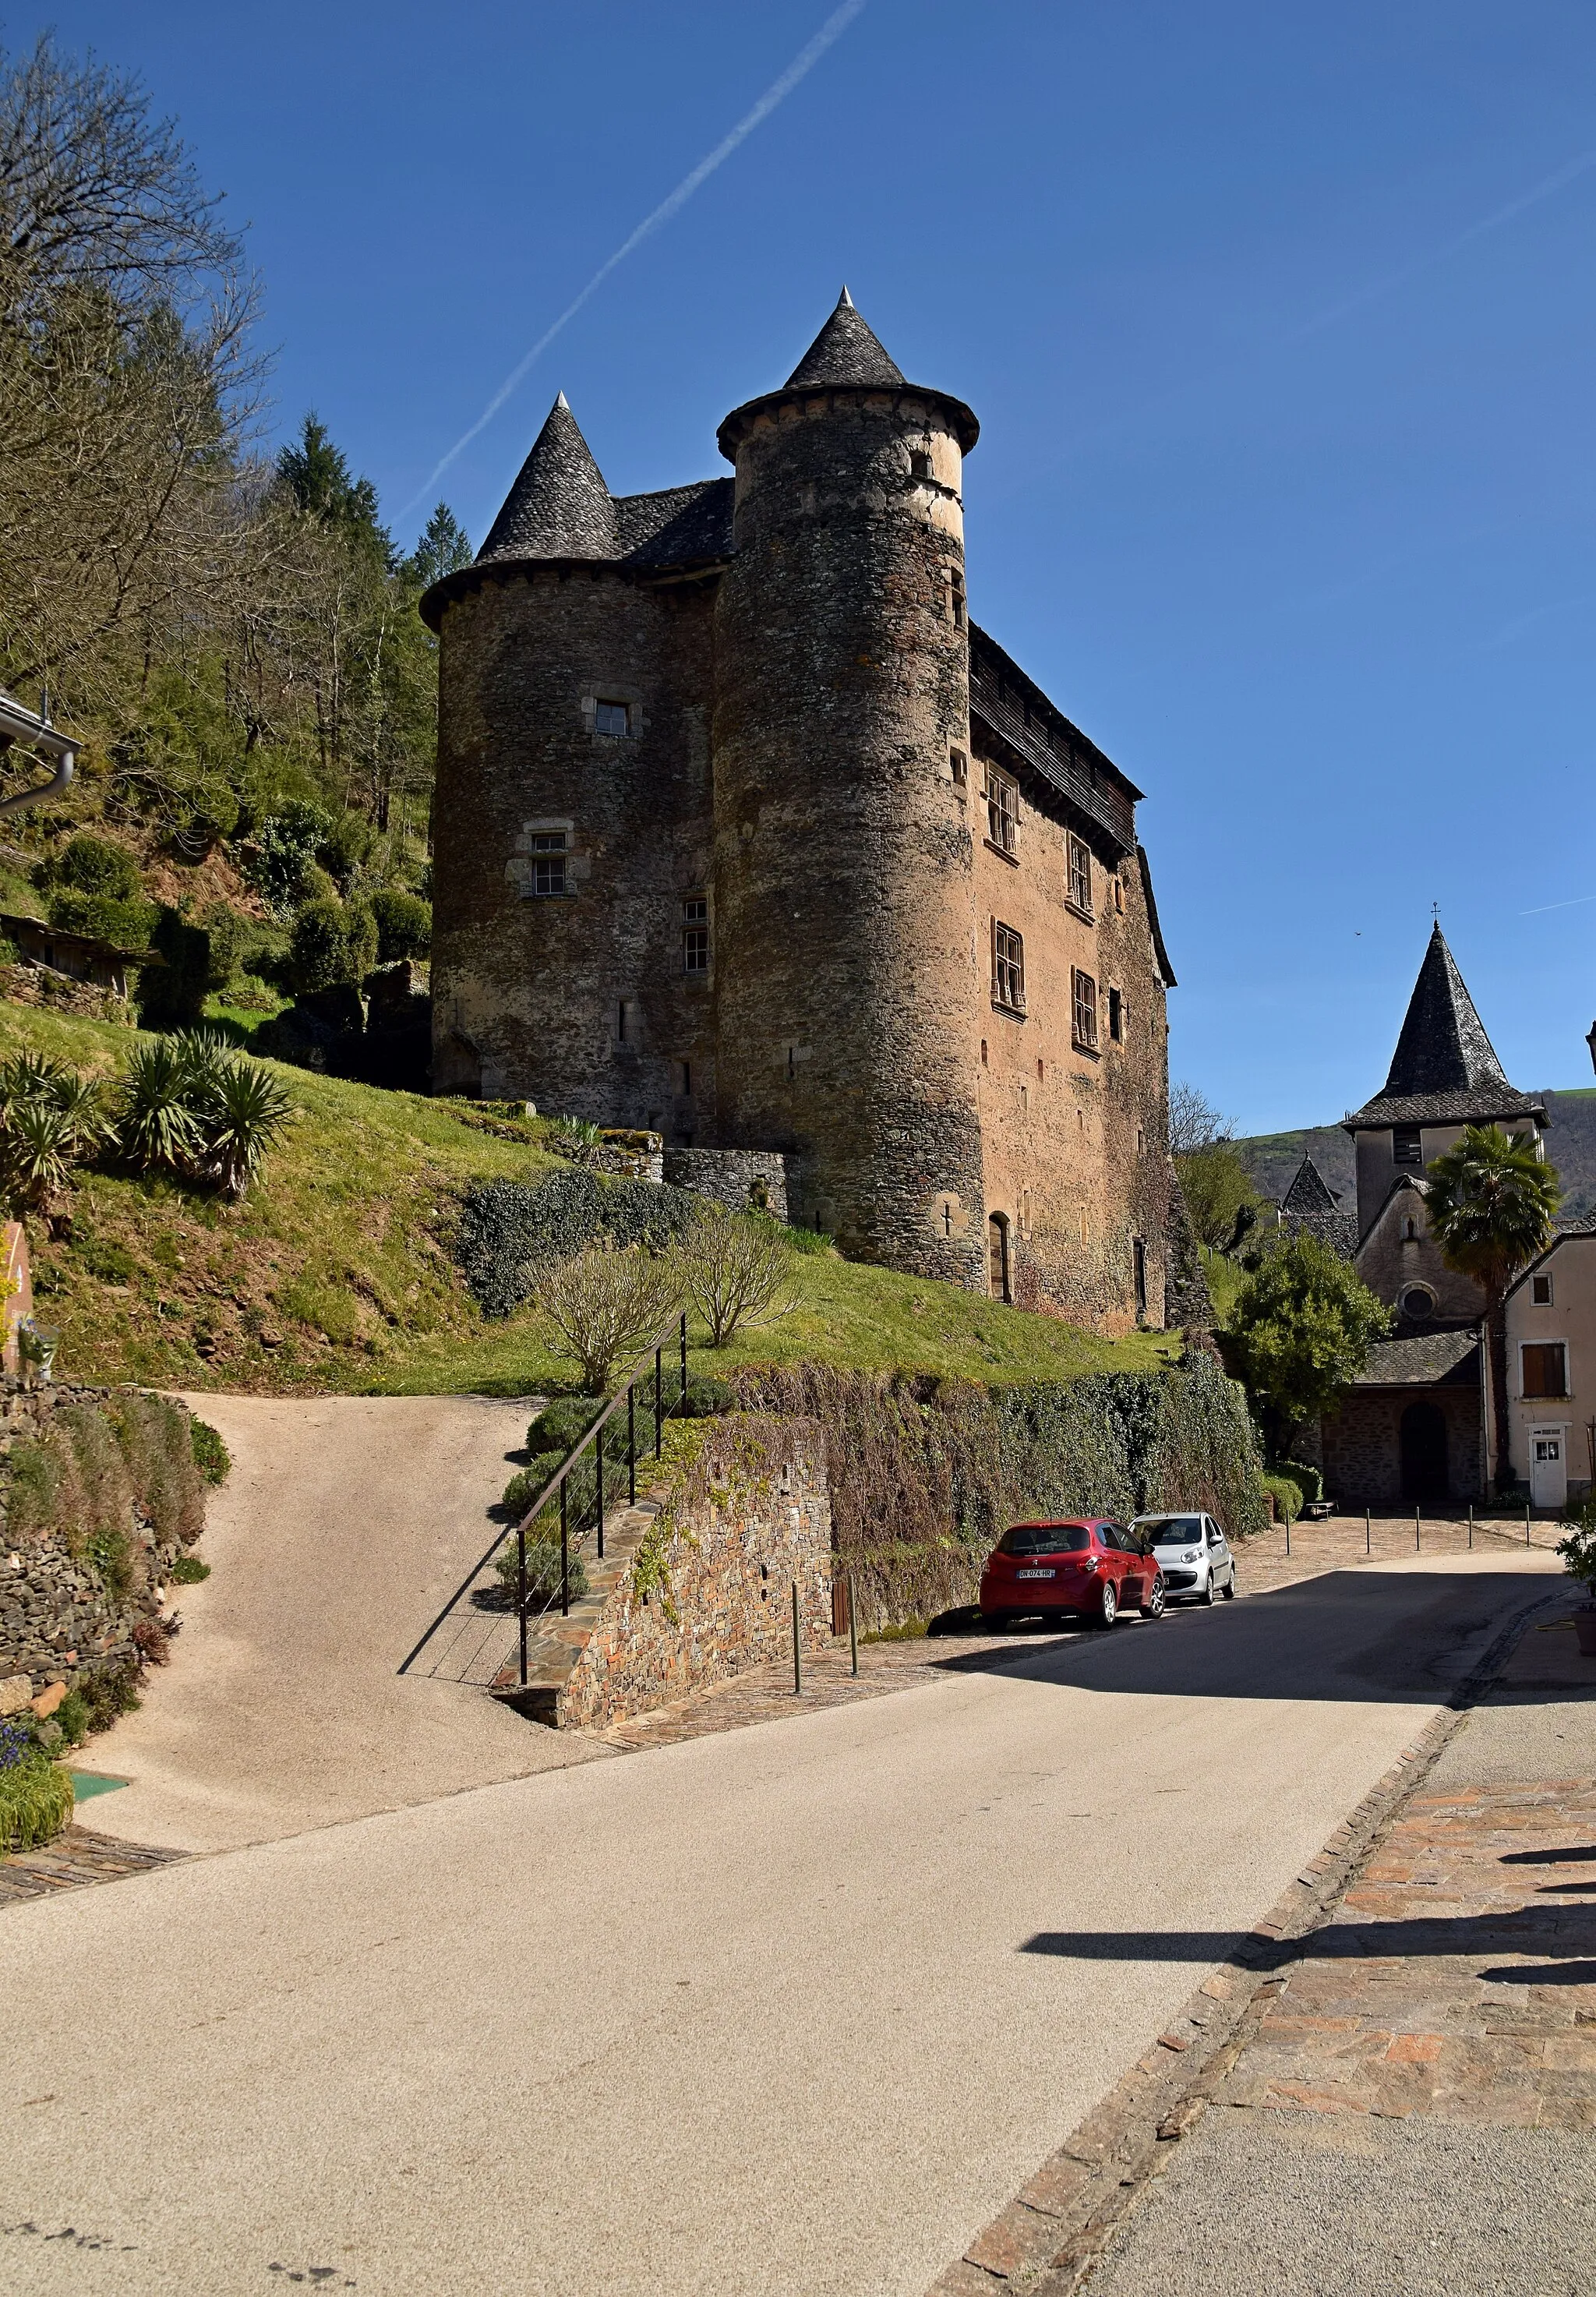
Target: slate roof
(1310, 1192)
(559, 506)
(1423, 1359)
(681, 526)
(847, 353)
(1444, 1070)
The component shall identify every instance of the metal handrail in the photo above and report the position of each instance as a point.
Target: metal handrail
(652, 1358)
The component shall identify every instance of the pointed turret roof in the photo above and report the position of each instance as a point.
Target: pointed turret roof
(559, 506)
(846, 352)
(847, 355)
(1309, 1193)
(1444, 1070)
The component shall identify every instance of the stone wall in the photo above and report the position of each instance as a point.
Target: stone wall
(733, 1177)
(1361, 1444)
(710, 1593)
(59, 1621)
(41, 984)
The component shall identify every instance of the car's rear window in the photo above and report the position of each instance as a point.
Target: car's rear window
(1046, 1539)
(1170, 1530)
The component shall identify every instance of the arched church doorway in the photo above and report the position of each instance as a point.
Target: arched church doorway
(1423, 1439)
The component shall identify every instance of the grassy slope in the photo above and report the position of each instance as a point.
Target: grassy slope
(336, 1274)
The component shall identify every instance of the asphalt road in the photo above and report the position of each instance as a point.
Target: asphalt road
(751, 2013)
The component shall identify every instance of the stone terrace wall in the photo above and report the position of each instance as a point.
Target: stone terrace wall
(730, 1176)
(59, 1623)
(753, 1516)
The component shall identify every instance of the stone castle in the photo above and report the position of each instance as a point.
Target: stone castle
(746, 835)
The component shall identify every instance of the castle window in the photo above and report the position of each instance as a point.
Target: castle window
(685, 1068)
(1406, 1146)
(956, 603)
(1117, 1017)
(983, 1060)
(959, 766)
(1008, 968)
(1085, 1009)
(696, 935)
(997, 1238)
(919, 464)
(1138, 1266)
(1540, 1291)
(1545, 1367)
(611, 718)
(548, 864)
(1119, 895)
(1080, 893)
(1002, 811)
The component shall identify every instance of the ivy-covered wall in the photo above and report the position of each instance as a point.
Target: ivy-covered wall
(925, 1473)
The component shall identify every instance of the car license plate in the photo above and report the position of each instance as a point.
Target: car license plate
(1033, 1575)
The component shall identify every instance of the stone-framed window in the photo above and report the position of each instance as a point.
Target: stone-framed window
(611, 718)
(1080, 861)
(1118, 883)
(1083, 997)
(695, 933)
(919, 464)
(1139, 1272)
(1002, 812)
(1540, 1291)
(958, 766)
(958, 613)
(1117, 1017)
(1008, 968)
(548, 876)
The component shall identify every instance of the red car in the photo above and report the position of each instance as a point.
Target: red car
(1090, 1566)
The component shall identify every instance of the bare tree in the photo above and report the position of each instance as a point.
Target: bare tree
(606, 1302)
(1194, 1122)
(735, 1268)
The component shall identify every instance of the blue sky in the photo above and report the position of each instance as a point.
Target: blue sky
(1279, 323)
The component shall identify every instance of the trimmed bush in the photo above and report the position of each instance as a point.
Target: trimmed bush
(404, 925)
(542, 1571)
(1287, 1493)
(103, 917)
(508, 1230)
(705, 1397)
(91, 865)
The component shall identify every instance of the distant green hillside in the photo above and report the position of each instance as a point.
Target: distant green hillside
(1272, 1158)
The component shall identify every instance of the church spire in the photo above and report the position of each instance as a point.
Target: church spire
(559, 506)
(1442, 1046)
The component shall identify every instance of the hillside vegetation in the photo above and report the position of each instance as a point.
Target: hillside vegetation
(337, 1272)
(1271, 1159)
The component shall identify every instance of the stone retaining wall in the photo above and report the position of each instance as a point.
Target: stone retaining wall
(59, 1622)
(752, 1517)
(736, 1178)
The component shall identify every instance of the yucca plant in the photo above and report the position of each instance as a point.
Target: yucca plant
(87, 1122)
(156, 1121)
(34, 1154)
(244, 1111)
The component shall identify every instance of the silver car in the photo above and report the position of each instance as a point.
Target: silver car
(1192, 1554)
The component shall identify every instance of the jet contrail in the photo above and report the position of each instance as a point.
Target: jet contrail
(1578, 902)
(802, 63)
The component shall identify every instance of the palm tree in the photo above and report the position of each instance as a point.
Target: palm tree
(1492, 1204)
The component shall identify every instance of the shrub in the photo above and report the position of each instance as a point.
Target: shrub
(211, 1455)
(404, 925)
(606, 1302)
(110, 1691)
(35, 1155)
(527, 1482)
(187, 1570)
(704, 1397)
(508, 1230)
(242, 1112)
(284, 847)
(734, 1269)
(560, 1425)
(91, 865)
(155, 1118)
(319, 955)
(36, 1802)
(1308, 1479)
(542, 1571)
(71, 1717)
(1287, 1493)
(347, 846)
(153, 1640)
(228, 934)
(360, 937)
(126, 923)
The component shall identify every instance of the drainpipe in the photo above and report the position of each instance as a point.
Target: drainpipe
(1485, 1413)
(35, 729)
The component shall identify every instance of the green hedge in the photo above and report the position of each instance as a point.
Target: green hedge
(925, 1473)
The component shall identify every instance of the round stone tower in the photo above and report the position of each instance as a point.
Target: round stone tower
(847, 979)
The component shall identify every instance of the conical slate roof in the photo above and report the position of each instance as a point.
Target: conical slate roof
(845, 353)
(1310, 1192)
(559, 506)
(1444, 1070)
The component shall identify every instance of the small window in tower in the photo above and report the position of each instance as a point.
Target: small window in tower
(1117, 1017)
(919, 464)
(1119, 895)
(983, 1059)
(685, 1082)
(696, 935)
(1540, 1291)
(1008, 968)
(959, 766)
(1080, 893)
(1138, 1266)
(1085, 1009)
(956, 605)
(548, 862)
(1002, 811)
(611, 718)
(1407, 1147)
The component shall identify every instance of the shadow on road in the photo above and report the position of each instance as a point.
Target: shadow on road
(1346, 1636)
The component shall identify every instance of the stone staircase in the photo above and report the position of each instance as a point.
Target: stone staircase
(556, 1642)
